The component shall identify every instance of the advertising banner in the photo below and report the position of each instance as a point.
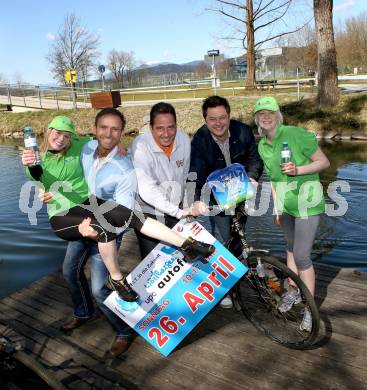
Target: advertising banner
(176, 295)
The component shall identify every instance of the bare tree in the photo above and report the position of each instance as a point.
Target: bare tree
(202, 70)
(116, 63)
(256, 17)
(130, 65)
(351, 43)
(327, 74)
(224, 69)
(3, 79)
(121, 64)
(300, 50)
(18, 79)
(73, 47)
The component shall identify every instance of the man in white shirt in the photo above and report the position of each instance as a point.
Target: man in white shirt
(110, 176)
(161, 158)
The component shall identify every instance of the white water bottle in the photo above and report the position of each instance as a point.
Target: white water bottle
(30, 142)
(260, 268)
(285, 153)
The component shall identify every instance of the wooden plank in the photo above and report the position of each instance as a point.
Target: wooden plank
(60, 352)
(348, 286)
(40, 353)
(353, 355)
(224, 352)
(47, 323)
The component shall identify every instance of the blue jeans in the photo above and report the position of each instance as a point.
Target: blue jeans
(218, 226)
(77, 254)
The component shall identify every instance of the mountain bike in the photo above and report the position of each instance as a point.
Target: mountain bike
(260, 293)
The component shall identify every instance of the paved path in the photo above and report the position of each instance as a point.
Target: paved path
(33, 102)
(353, 88)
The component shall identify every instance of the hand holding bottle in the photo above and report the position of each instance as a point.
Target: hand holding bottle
(289, 169)
(28, 157)
(45, 197)
(30, 142)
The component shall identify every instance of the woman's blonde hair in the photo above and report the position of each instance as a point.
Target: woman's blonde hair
(279, 119)
(45, 145)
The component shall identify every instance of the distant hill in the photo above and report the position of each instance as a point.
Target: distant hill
(166, 68)
(152, 65)
(162, 69)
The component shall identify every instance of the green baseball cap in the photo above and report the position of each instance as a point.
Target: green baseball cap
(266, 103)
(62, 123)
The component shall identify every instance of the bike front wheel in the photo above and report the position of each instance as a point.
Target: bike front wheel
(277, 302)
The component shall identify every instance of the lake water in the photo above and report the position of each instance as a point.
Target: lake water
(28, 252)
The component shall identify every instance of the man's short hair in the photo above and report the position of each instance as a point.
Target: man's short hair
(110, 111)
(161, 108)
(215, 101)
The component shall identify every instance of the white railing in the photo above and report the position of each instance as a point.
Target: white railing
(38, 96)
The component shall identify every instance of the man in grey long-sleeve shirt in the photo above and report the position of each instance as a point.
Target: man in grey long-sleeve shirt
(161, 158)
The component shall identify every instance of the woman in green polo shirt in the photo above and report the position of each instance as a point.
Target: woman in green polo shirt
(75, 213)
(296, 189)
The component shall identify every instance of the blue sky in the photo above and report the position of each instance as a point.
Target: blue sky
(156, 30)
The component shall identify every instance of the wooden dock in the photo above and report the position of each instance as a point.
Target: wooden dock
(224, 352)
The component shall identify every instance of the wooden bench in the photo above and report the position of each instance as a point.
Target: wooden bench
(6, 107)
(301, 82)
(266, 84)
(105, 99)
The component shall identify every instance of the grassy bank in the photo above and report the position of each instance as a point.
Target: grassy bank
(203, 92)
(348, 116)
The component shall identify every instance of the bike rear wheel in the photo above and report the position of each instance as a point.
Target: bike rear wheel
(260, 299)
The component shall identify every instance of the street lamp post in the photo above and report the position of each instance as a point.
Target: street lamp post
(101, 70)
(214, 53)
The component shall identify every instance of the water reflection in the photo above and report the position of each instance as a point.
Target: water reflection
(26, 252)
(340, 240)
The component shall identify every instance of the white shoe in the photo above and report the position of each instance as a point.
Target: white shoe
(306, 323)
(289, 298)
(226, 302)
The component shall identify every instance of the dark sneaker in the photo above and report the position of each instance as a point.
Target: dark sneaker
(123, 289)
(193, 249)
